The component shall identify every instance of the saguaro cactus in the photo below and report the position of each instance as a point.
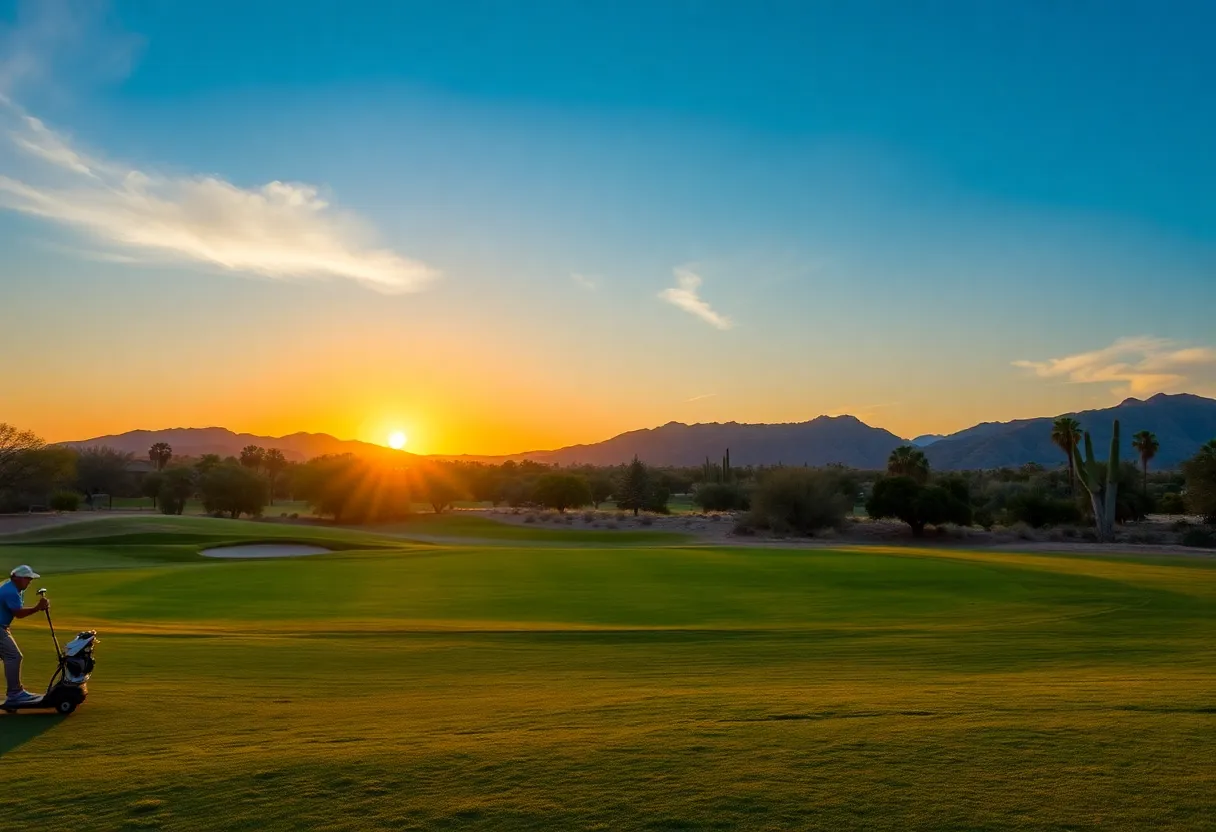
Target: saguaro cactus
(1103, 495)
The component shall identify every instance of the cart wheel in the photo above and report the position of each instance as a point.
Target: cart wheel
(66, 707)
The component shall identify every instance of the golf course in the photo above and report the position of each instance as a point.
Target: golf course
(510, 678)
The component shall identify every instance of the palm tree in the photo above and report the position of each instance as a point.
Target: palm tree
(907, 461)
(1146, 444)
(160, 454)
(274, 462)
(1066, 434)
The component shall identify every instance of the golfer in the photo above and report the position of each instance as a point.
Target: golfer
(12, 605)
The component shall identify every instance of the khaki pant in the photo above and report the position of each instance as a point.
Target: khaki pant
(10, 654)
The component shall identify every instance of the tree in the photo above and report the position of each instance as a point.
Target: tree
(907, 461)
(1146, 444)
(1200, 473)
(637, 492)
(206, 462)
(274, 462)
(160, 454)
(917, 505)
(104, 470)
(252, 456)
(601, 489)
(354, 490)
(150, 485)
(15, 447)
(440, 487)
(802, 500)
(1066, 434)
(233, 490)
(36, 473)
(176, 487)
(561, 491)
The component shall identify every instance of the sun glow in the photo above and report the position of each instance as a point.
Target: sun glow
(396, 440)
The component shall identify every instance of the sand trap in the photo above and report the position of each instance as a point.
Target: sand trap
(264, 550)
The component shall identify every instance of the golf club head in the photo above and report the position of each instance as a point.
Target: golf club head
(42, 591)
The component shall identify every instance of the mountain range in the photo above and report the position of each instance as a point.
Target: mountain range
(1181, 422)
(297, 447)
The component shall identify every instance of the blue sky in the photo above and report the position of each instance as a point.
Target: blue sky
(503, 227)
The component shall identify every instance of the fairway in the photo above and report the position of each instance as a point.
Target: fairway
(515, 678)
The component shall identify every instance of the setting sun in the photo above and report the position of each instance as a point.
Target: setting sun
(396, 440)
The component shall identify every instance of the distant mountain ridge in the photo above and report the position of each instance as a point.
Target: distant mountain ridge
(821, 441)
(297, 447)
(1182, 423)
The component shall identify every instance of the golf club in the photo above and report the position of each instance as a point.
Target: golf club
(58, 652)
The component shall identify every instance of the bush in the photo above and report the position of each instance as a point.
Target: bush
(1039, 510)
(65, 501)
(918, 505)
(1171, 503)
(721, 496)
(1199, 537)
(803, 500)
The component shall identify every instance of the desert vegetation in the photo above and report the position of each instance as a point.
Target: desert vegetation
(1085, 497)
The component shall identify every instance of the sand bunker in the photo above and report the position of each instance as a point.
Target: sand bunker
(264, 550)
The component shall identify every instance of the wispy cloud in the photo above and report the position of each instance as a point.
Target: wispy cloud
(1133, 366)
(588, 283)
(684, 295)
(701, 397)
(277, 230)
(49, 38)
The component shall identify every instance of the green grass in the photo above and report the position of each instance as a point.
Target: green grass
(622, 685)
(195, 506)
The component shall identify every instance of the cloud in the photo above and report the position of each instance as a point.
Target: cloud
(1133, 366)
(701, 397)
(49, 39)
(588, 283)
(684, 295)
(278, 230)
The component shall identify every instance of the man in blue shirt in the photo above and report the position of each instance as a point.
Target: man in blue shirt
(12, 605)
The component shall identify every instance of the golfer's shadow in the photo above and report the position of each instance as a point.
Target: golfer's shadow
(18, 729)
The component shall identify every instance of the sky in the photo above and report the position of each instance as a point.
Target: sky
(500, 227)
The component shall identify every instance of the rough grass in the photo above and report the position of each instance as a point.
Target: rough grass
(406, 686)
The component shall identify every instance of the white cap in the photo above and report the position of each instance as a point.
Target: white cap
(24, 572)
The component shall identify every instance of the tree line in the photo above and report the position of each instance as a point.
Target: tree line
(347, 488)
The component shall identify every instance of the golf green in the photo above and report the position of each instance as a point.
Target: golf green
(549, 680)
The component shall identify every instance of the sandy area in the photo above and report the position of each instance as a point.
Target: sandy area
(264, 550)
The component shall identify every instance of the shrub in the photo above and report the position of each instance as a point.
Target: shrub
(65, 501)
(1199, 537)
(1171, 503)
(917, 505)
(800, 500)
(1039, 510)
(721, 496)
(743, 526)
(1022, 531)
